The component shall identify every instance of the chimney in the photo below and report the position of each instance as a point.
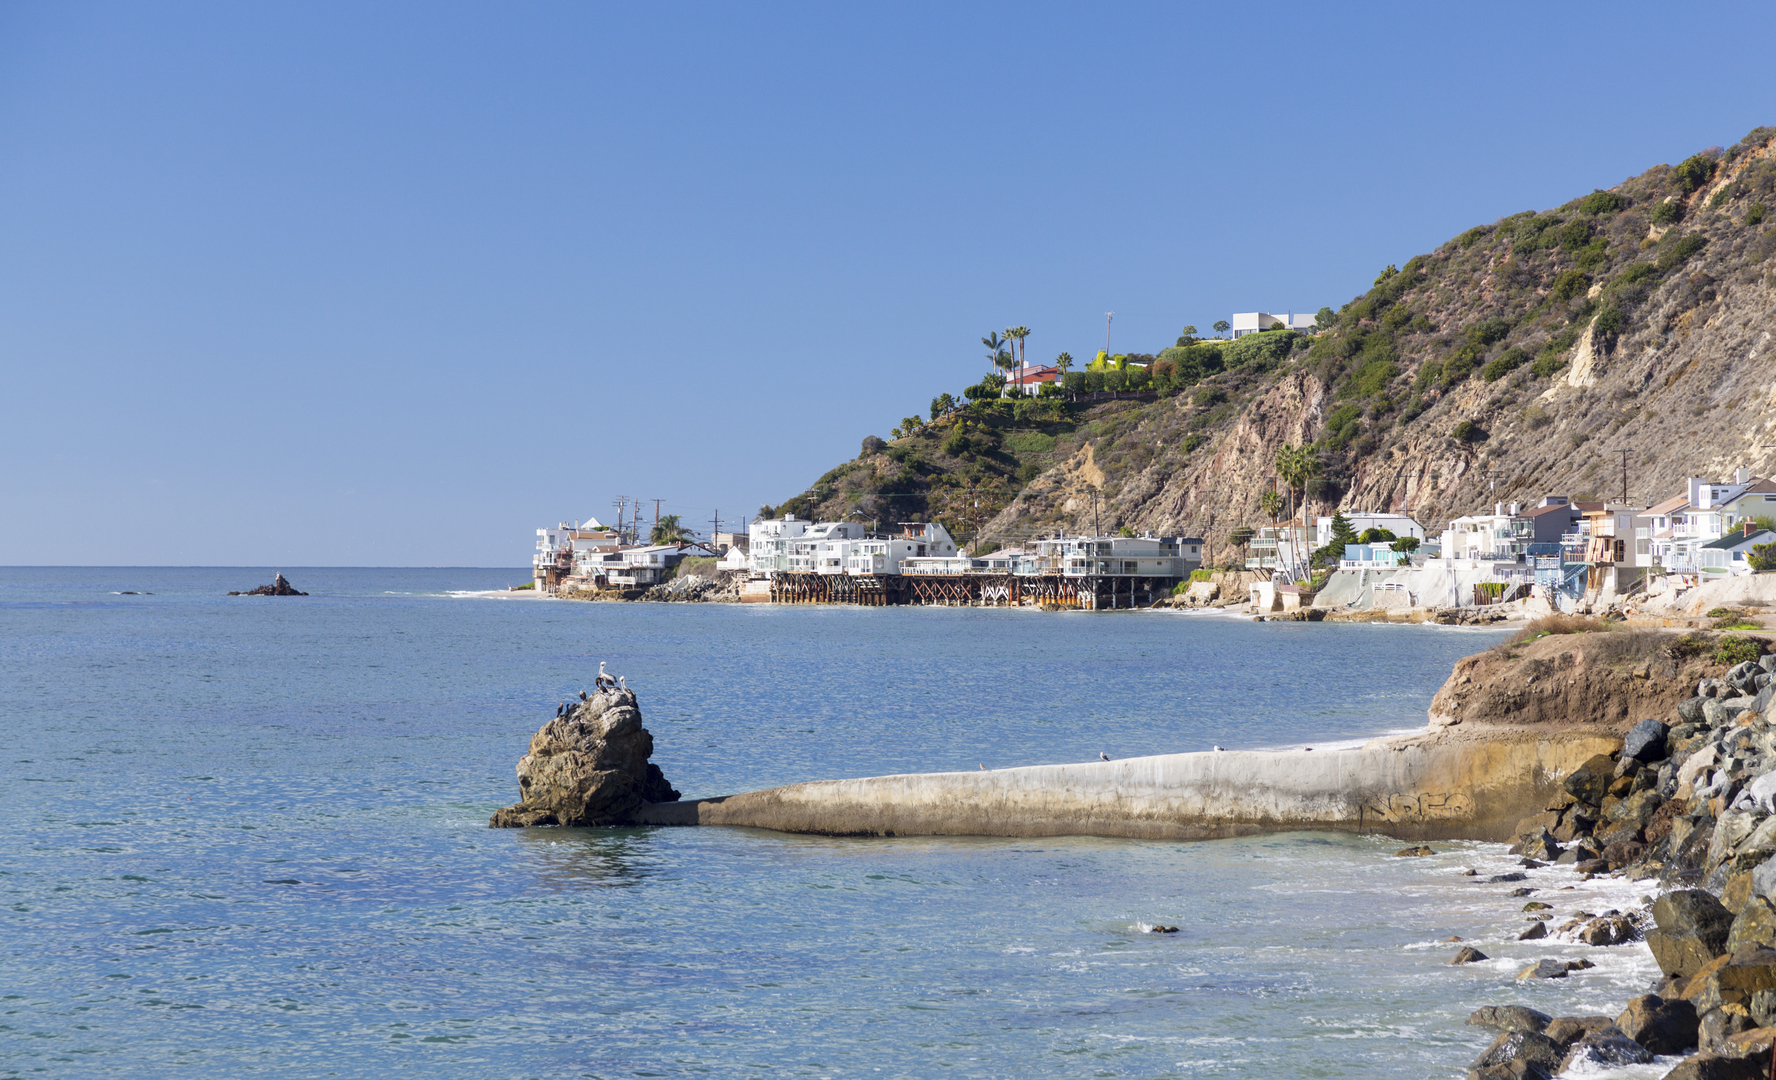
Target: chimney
(1742, 475)
(1515, 509)
(1498, 509)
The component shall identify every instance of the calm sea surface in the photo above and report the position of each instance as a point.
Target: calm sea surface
(247, 837)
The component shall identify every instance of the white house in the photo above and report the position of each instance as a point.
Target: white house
(1127, 556)
(840, 547)
(1251, 322)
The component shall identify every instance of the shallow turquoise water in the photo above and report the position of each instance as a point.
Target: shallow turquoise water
(247, 837)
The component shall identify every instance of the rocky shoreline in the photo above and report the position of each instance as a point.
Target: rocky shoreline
(1686, 804)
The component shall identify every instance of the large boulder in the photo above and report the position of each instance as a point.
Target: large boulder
(1645, 741)
(1519, 1055)
(1715, 1067)
(588, 766)
(1609, 1048)
(1590, 782)
(1662, 1026)
(1510, 1018)
(1691, 929)
(1566, 1030)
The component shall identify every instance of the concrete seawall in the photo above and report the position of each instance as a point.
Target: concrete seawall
(1473, 785)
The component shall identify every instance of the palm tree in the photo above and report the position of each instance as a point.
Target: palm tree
(994, 343)
(1016, 336)
(1271, 502)
(667, 530)
(1064, 363)
(1290, 461)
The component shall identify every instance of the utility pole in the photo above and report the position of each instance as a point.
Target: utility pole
(1492, 476)
(622, 503)
(1624, 454)
(715, 528)
(1108, 316)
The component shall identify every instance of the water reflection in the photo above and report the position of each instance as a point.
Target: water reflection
(566, 860)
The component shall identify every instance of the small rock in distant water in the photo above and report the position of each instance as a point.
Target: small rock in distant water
(1539, 930)
(1470, 873)
(1453, 937)
(1522, 890)
(1536, 905)
(1579, 965)
(1467, 954)
(279, 587)
(1610, 930)
(1515, 875)
(1544, 969)
(1163, 930)
(1420, 850)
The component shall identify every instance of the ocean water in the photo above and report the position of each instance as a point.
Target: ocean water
(247, 837)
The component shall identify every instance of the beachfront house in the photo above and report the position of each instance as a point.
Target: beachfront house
(1702, 513)
(1283, 548)
(1731, 553)
(1123, 556)
(569, 550)
(1253, 322)
(1511, 533)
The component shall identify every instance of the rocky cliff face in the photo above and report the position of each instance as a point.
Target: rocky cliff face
(1530, 356)
(588, 766)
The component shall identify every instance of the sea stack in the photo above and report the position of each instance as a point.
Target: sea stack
(280, 586)
(588, 766)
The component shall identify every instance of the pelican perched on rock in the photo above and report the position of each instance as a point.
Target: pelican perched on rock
(560, 709)
(582, 695)
(603, 681)
(621, 685)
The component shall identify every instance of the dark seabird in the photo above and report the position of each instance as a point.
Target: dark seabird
(1103, 755)
(561, 708)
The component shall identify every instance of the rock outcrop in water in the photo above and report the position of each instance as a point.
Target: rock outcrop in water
(588, 766)
(279, 587)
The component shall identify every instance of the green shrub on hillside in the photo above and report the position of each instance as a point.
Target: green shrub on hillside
(1342, 422)
(1754, 214)
(1575, 234)
(1679, 253)
(1257, 351)
(1602, 202)
(1467, 431)
(1504, 363)
(1568, 285)
(1595, 254)
(1547, 364)
(1693, 172)
(1668, 212)
(1375, 376)
(1609, 326)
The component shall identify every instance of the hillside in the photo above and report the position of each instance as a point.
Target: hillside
(1519, 358)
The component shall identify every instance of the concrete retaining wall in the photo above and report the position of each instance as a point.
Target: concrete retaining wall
(1477, 786)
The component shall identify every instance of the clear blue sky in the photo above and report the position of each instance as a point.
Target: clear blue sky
(396, 284)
